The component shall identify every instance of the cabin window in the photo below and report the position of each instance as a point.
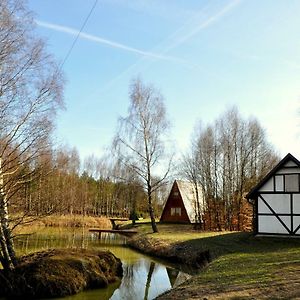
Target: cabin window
(176, 193)
(175, 211)
(291, 183)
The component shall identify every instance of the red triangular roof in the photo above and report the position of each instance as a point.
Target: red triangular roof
(186, 191)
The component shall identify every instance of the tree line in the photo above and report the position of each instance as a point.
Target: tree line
(66, 185)
(226, 159)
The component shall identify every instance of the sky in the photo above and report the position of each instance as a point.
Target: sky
(204, 56)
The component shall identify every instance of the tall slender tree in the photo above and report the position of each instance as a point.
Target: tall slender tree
(139, 141)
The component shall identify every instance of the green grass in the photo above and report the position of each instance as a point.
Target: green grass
(256, 263)
(175, 233)
(240, 260)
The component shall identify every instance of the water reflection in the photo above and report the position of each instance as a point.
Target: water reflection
(148, 282)
(143, 278)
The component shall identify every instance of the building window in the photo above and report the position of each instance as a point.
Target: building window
(291, 183)
(175, 211)
(176, 193)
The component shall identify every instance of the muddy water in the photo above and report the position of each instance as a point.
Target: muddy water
(144, 278)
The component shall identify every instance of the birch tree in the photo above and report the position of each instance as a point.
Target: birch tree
(226, 159)
(30, 94)
(139, 142)
(191, 170)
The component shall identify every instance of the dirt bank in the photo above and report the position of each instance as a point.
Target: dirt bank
(173, 252)
(56, 273)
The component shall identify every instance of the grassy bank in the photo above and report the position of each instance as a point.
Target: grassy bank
(242, 267)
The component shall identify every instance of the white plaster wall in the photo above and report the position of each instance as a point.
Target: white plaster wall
(288, 171)
(262, 207)
(268, 186)
(279, 202)
(296, 224)
(270, 224)
(296, 203)
(290, 164)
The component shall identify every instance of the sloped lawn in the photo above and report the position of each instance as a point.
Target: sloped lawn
(242, 267)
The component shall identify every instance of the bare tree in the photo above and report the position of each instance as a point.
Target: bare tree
(30, 94)
(191, 170)
(227, 158)
(140, 139)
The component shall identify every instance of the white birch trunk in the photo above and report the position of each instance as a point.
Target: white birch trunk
(6, 241)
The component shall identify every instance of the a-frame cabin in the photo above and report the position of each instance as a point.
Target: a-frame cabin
(276, 200)
(180, 206)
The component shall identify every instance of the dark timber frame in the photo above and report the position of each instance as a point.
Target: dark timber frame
(256, 194)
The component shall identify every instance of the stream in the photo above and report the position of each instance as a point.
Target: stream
(144, 278)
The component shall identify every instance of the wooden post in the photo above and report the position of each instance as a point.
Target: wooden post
(113, 223)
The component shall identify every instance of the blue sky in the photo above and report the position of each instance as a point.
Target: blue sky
(204, 56)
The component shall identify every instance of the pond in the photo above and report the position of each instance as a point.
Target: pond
(144, 277)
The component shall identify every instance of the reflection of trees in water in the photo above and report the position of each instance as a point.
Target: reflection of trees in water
(128, 275)
(127, 289)
(134, 282)
(41, 241)
(109, 238)
(149, 277)
(82, 243)
(130, 272)
(75, 237)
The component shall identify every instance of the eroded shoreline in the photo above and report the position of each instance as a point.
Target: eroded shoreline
(172, 252)
(60, 272)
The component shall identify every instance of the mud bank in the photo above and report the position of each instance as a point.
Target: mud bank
(175, 253)
(57, 273)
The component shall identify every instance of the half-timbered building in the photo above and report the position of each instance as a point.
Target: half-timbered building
(276, 200)
(181, 205)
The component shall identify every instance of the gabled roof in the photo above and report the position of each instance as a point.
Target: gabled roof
(287, 158)
(188, 195)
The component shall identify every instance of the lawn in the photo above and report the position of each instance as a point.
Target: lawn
(242, 267)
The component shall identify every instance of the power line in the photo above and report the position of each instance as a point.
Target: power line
(79, 32)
